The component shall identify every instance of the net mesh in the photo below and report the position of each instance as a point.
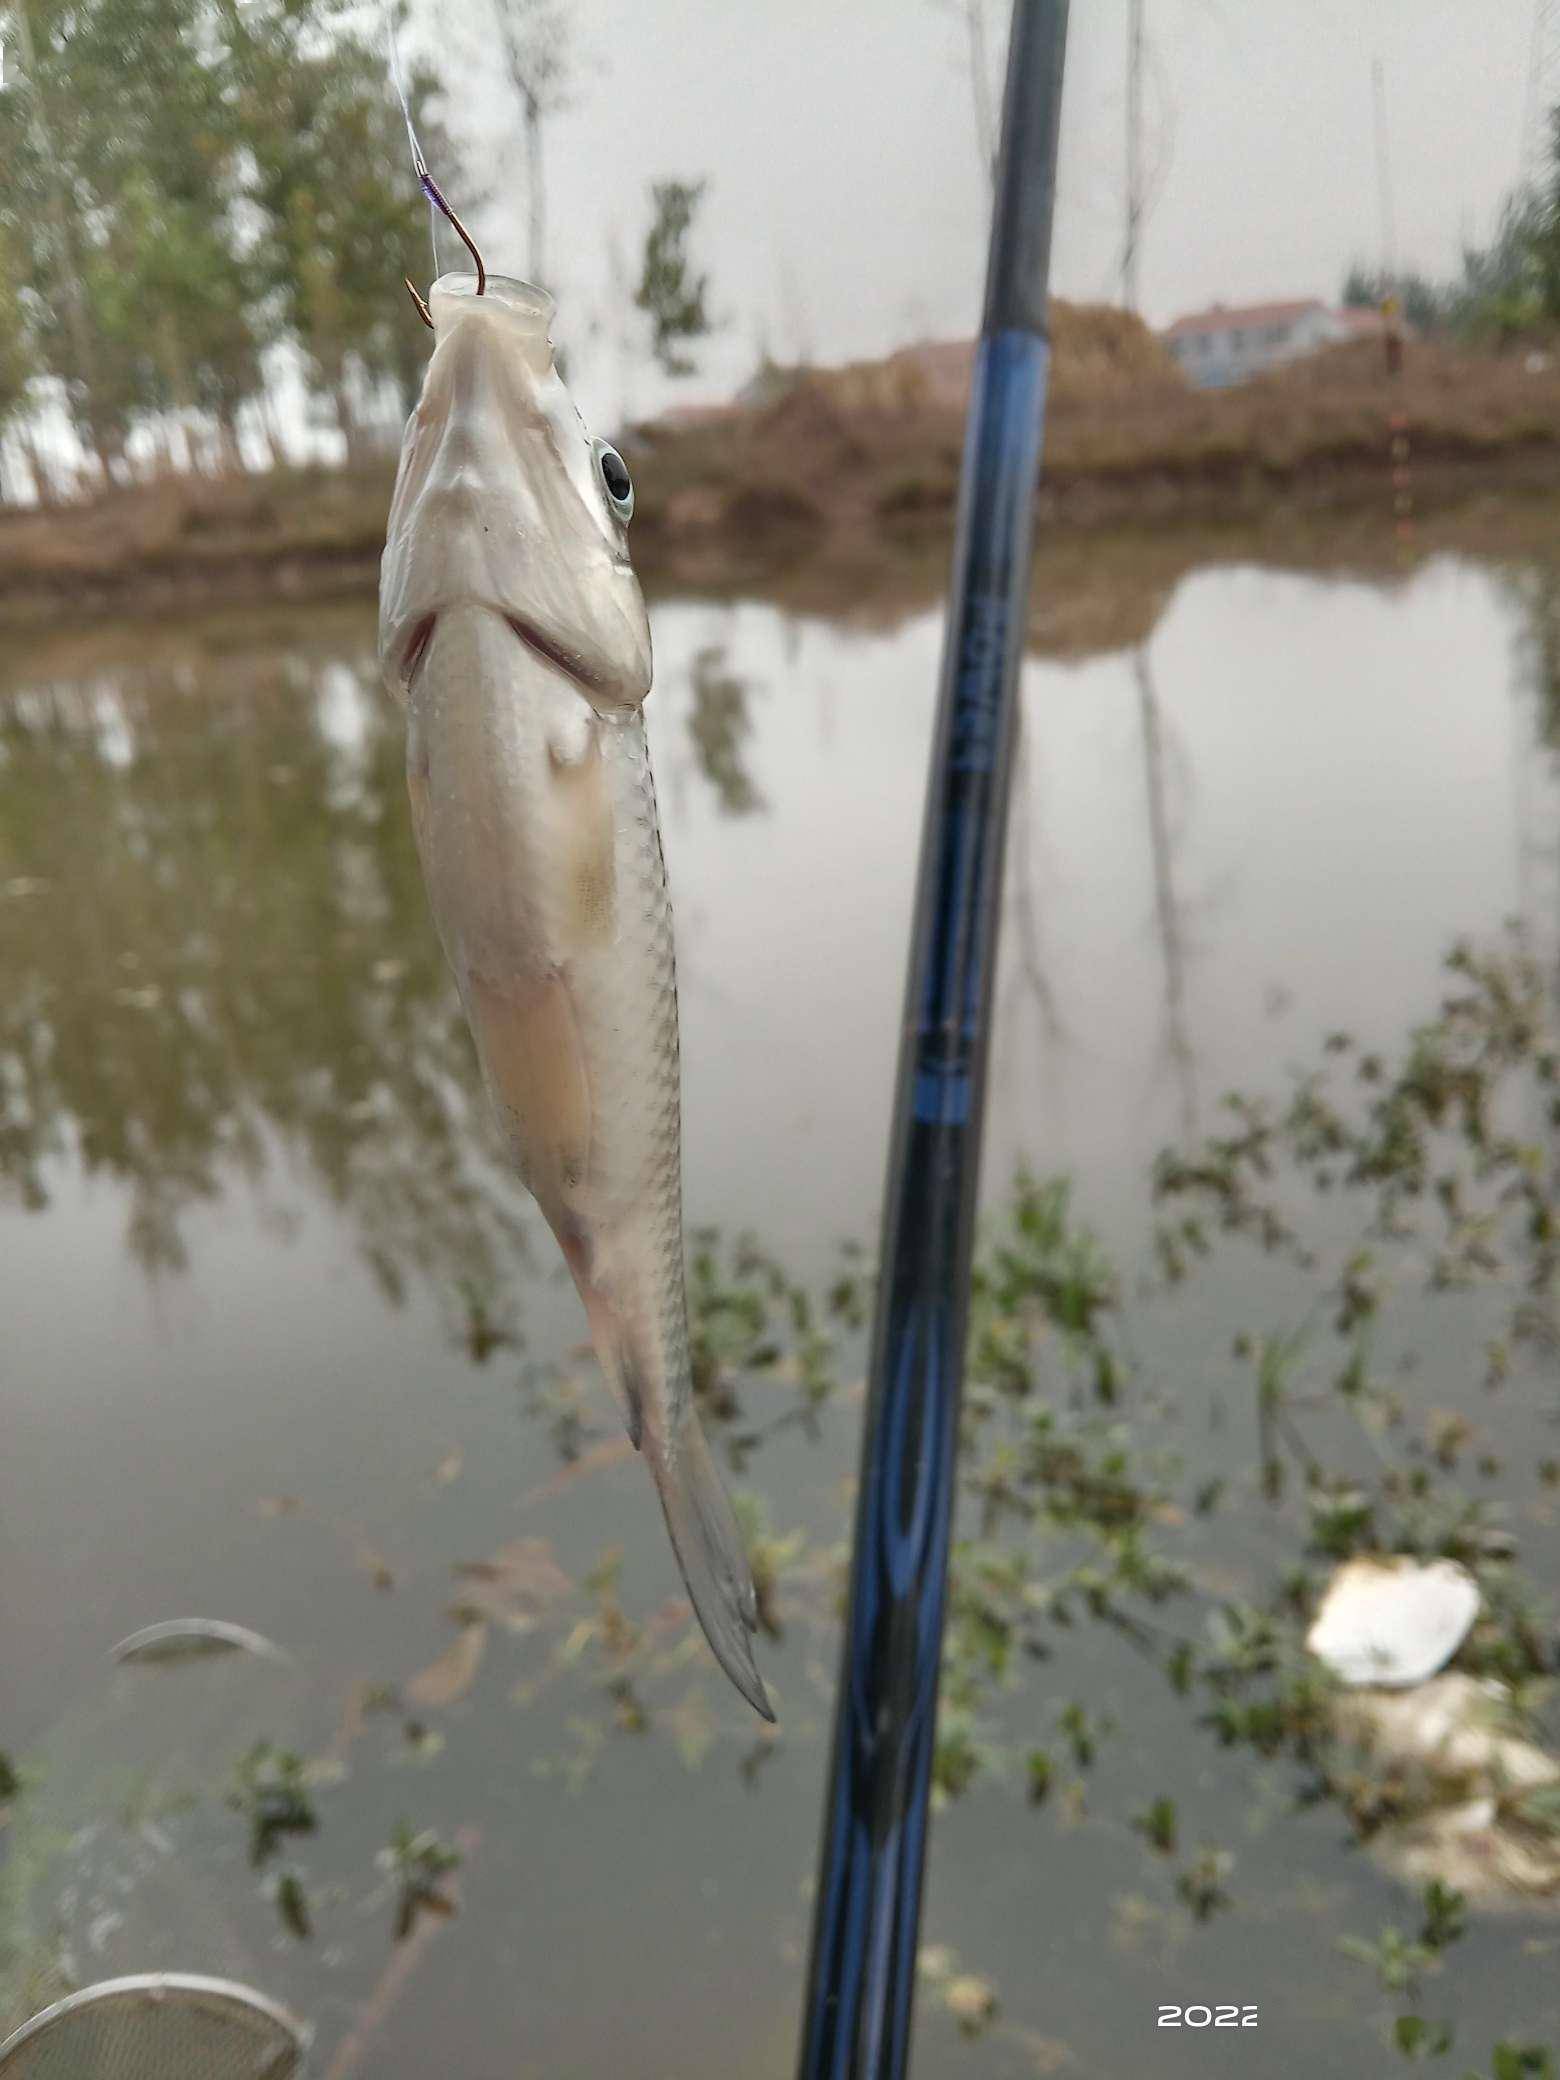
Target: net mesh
(157, 2030)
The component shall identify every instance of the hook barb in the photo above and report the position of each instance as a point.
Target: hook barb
(423, 311)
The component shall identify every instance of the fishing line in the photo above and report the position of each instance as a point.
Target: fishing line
(425, 179)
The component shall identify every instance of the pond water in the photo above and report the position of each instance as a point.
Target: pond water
(284, 1344)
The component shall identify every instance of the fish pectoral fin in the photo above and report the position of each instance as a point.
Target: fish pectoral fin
(533, 1061)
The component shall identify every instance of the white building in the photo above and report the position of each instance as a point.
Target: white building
(1229, 343)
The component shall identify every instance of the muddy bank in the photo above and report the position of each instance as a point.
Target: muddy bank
(838, 495)
(1096, 589)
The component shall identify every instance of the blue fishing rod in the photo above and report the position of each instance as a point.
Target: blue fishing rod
(861, 1981)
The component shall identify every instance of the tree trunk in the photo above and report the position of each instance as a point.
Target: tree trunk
(273, 432)
(228, 442)
(346, 419)
(44, 484)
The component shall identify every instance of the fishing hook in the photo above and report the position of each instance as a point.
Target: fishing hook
(430, 188)
(423, 311)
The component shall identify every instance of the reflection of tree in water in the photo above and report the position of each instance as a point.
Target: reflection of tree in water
(1536, 589)
(720, 726)
(217, 950)
(1167, 913)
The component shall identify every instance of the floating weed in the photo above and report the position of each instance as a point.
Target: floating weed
(1416, 2038)
(1201, 1885)
(272, 1790)
(1445, 1915)
(1083, 1733)
(1396, 1959)
(1513, 2061)
(972, 2002)
(1157, 1825)
(291, 1900)
(1426, 1131)
(485, 1325)
(418, 1863)
(968, 1997)
(1074, 1514)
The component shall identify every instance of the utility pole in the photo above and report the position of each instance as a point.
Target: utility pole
(1129, 244)
(1384, 173)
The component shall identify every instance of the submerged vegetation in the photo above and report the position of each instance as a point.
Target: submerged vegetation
(1392, 1189)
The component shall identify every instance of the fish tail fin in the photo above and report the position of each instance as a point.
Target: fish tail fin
(710, 1552)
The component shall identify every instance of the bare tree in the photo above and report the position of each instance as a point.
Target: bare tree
(1129, 254)
(533, 38)
(1167, 909)
(1150, 145)
(983, 98)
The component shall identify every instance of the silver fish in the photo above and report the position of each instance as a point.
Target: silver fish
(512, 628)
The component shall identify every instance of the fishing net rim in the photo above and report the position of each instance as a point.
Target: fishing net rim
(196, 1985)
(216, 1631)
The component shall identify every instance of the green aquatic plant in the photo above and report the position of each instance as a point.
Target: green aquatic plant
(271, 1788)
(418, 1862)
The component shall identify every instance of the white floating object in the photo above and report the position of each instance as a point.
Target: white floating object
(1393, 1622)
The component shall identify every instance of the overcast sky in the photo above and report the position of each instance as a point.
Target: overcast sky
(846, 208)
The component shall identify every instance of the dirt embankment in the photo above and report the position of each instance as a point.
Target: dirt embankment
(860, 459)
(841, 480)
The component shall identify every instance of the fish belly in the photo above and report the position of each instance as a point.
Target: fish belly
(541, 849)
(536, 825)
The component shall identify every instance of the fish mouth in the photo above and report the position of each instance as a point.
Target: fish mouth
(569, 662)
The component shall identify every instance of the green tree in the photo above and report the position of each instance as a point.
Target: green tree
(17, 353)
(1422, 301)
(342, 218)
(669, 292)
(124, 198)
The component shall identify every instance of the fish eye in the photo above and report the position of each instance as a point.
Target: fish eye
(615, 480)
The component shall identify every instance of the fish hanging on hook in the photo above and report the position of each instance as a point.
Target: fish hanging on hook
(513, 632)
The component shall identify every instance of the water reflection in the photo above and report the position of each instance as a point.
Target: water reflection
(220, 965)
(221, 983)
(1167, 909)
(218, 957)
(721, 729)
